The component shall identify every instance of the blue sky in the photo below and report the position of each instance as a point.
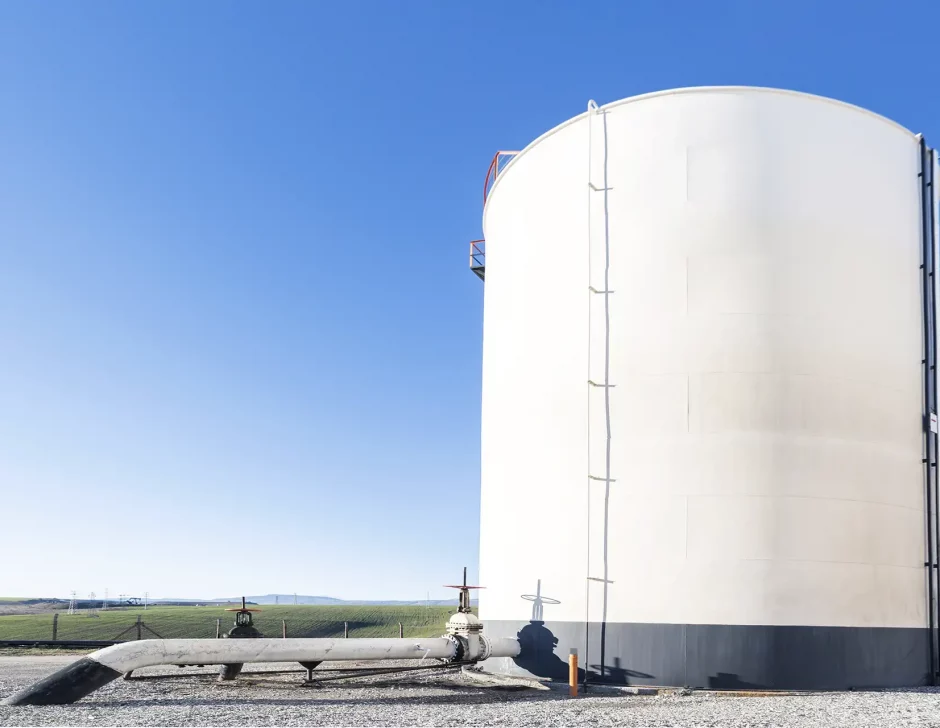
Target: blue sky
(239, 343)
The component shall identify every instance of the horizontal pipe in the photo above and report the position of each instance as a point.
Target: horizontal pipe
(99, 668)
(148, 653)
(502, 647)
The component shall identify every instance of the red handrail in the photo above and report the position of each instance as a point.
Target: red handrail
(492, 172)
(477, 247)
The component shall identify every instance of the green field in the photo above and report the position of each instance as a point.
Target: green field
(196, 622)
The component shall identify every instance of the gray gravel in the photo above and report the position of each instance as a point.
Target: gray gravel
(440, 699)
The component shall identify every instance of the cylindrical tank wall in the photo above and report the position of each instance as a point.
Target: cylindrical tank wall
(764, 520)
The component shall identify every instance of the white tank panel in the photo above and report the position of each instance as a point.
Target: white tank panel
(764, 345)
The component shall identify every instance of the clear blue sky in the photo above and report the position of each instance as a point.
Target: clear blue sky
(239, 343)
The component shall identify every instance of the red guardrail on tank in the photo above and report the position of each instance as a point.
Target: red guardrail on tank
(500, 159)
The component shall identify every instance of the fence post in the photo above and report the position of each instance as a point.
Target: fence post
(218, 629)
(55, 626)
(284, 628)
(345, 629)
(401, 630)
(138, 627)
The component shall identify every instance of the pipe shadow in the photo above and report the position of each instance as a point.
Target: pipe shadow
(538, 644)
(616, 674)
(537, 655)
(731, 681)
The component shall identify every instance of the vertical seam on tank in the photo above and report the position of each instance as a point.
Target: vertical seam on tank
(607, 387)
(687, 527)
(687, 285)
(685, 653)
(687, 175)
(587, 583)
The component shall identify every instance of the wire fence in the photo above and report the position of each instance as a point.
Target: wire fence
(209, 622)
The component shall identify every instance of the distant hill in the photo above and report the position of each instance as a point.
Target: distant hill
(13, 605)
(286, 599)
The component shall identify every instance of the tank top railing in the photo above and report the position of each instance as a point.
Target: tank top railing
(478, 247)
(500, 160)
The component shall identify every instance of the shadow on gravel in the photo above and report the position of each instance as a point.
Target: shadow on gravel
(352, 700)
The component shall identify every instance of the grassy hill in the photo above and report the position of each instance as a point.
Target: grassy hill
(196, 622)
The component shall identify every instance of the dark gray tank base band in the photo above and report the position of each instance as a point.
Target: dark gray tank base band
(721, 657)
(69, 684)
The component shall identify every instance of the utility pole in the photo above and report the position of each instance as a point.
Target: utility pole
(146, 598)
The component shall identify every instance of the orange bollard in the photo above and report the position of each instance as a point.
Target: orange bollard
(573, 673)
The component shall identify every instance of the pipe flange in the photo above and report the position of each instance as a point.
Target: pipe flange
(460, 648)
(486, 648)
(462, 652)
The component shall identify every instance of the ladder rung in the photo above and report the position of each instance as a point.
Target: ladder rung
(599, 189)
(603, 581)
(592, 289)
(602, 480)
(602, 386)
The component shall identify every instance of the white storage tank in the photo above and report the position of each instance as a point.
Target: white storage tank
(703, 395)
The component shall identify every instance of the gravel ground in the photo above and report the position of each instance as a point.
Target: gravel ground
(438, 699)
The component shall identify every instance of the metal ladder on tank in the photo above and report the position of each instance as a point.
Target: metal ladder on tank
(599, 385)
(930, 237)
